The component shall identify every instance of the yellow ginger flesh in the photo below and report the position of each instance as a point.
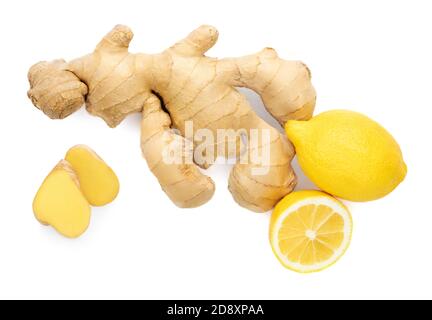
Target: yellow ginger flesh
(61, 204)
(98, 181)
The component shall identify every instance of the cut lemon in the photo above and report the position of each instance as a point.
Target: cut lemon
(310, 231)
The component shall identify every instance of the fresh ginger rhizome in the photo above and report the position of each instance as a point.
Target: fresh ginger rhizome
(114, 83)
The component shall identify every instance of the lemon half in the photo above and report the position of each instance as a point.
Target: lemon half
(310, 231)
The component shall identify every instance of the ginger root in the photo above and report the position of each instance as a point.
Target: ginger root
(179, 85)
(61, 204)
(98, 181)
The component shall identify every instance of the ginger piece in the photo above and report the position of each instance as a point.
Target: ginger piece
(58, 95)
(98, 182)
(193, 87)
(184, 184)
(61, 204)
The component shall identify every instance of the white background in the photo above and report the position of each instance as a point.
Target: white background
(369, 56)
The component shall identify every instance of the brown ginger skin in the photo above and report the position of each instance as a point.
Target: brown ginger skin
(114, 83)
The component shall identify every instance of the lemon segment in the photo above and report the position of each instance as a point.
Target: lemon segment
(309, 231)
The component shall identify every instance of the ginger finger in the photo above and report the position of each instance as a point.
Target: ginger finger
(183, 182)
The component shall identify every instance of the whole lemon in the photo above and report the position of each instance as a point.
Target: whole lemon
(348, 155)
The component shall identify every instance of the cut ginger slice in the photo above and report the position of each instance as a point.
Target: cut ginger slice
(61, 204)
(98, 181)
(309, 231)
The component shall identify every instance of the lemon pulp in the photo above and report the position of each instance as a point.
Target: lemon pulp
(311, 233)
